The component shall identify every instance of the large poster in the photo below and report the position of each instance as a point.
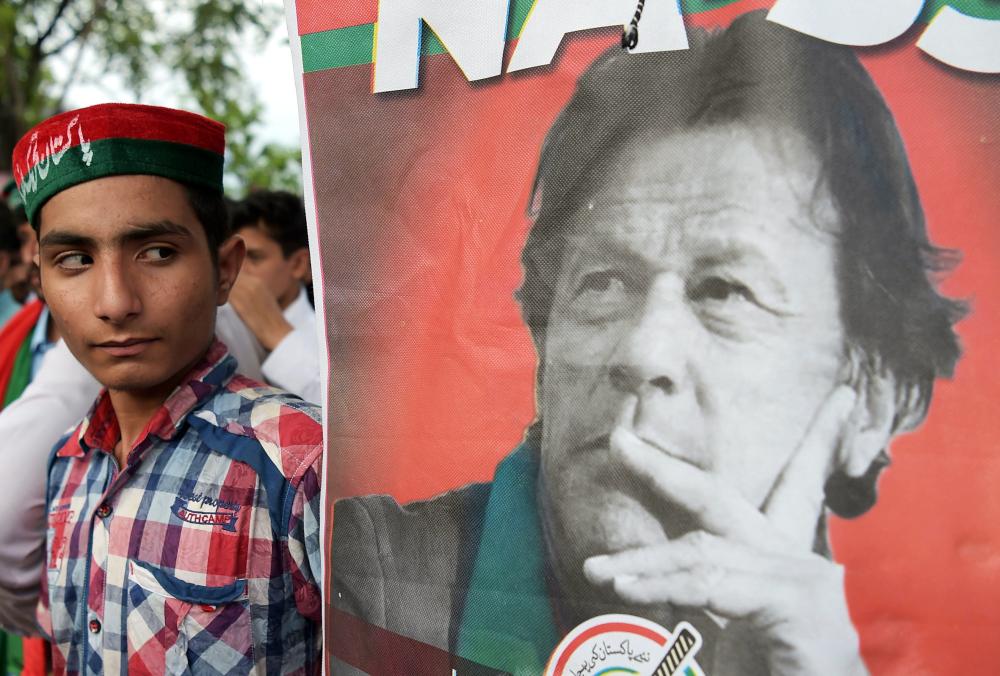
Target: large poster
(674, 359)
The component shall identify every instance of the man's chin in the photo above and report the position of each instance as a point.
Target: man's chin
(628, 521)
(132, 378)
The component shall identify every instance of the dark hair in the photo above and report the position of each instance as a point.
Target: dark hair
(758, 71)
(279, 214)
(9, 241)
(209, 206)
(19, 214)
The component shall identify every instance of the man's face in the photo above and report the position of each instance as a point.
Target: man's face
(699, 287)
(266, 261)
(128, 276)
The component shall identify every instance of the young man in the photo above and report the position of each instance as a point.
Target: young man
(270, 295)
(183, 512)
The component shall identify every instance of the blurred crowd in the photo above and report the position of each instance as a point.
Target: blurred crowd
(269, 325)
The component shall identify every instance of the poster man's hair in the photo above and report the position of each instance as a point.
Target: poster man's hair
(756, 72)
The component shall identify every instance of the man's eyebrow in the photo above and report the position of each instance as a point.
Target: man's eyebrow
(733, 253)
(136, 232)
(65, 238)
(153, 229)
(601, 247)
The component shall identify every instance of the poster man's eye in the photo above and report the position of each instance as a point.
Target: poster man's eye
(720, 289)
(603, 281)
(600, 294)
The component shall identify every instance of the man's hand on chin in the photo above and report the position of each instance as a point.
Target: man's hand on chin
(258, 308)
(755, 570)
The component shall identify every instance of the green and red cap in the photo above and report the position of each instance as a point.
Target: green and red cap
(111, 139)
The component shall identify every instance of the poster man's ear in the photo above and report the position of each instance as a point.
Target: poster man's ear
(872, 423)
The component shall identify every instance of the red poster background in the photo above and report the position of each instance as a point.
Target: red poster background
(421, 201)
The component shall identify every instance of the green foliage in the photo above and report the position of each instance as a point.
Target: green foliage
(182, 52)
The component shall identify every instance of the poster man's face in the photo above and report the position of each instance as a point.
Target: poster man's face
(699, 288)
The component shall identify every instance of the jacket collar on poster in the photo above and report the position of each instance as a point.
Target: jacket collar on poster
(508, 619)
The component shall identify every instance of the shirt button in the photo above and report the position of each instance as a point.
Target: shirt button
(104, 510)
(208, 608)
(95, 626)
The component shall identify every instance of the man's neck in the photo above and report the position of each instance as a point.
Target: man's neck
(135, 408)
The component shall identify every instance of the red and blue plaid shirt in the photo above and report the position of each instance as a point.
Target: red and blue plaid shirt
(202, 554)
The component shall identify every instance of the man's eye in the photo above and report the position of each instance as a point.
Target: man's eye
(74, 261)
(719, 289)
(600, 295)
(603, 282)
(157, 253)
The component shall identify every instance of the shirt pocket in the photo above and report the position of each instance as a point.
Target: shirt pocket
(175, 627)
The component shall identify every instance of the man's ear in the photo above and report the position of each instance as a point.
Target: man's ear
(872, 423)
(300, 265)
(231, 255)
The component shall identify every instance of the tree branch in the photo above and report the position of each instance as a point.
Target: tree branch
(71, 77)
(74, 36)
(63, 4)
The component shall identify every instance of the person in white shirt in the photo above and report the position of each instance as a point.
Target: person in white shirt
(270, 294)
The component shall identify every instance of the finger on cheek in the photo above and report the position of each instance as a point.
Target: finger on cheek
(684, 587)
(626, 416)
(599, 569)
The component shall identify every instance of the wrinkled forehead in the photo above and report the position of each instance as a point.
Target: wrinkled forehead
(736, 177)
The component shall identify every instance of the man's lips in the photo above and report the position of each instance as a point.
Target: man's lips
(126, 347)
(602, 442)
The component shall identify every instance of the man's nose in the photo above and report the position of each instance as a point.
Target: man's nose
(116, 298)
(652, 355)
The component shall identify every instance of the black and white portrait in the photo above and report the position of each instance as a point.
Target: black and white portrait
(731, 292)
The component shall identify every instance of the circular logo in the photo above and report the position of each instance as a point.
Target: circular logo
(625, 644)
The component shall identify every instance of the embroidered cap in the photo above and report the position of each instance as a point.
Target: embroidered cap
(111, 139)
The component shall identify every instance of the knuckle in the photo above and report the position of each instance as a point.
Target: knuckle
(700, 508)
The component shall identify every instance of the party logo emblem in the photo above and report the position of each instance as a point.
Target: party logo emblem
(624, 644)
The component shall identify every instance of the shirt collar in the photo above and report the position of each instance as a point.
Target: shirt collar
(299, 310)
(100, 428)
(40, 336)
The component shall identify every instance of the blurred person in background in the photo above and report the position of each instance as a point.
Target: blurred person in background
(10, 257)
(17, 278)
(270, 295)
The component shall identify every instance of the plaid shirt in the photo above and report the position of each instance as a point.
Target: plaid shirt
(203, 553)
